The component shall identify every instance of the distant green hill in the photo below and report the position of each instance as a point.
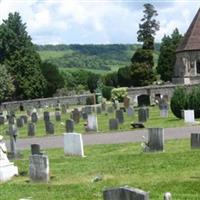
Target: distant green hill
(98, 58)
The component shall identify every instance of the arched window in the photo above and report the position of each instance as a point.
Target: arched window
(198, 66)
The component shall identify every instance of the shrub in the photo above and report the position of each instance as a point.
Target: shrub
(119, 93)
(179, 101)
(106, 92)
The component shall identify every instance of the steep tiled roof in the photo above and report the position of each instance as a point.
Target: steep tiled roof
(191, 40)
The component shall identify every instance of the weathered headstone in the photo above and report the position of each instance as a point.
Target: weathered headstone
(103, 106)
(63, 109)
(113, 124)
(189, 116)
(195, 140)
(126, 101)
(98, 108)
(120, 116)
(84, 115)
(25, 118)
(31, 129)
(13, 132)
(46, 116)
(73, 144)
(130, 111)
(2, 120)
(35, 149)
(75, 115)
(125, 193)
(58, 115)
(20, 122)
(88, 109)
(164, 112)
(142, 114)
(69, 126)
(110, 109)
(34, 117)
(11, 119)
(39, 168)
(92, 124)
(49, 126)
(155, 139)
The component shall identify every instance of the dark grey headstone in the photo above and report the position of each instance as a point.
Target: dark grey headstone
(34, 117)
(75, 115)
(69, 126)
(49, 126)
(195, 140)
(58, 115)
(13, 132)
(2, 120)
(31, 129)
(113, 124)
(20, 122)
(35, 149)
(46, 116)
(125, 193)
(155, 139)
(11, 119)
(84, 115)
(25, 118)
(143, 114)
(120, 116)
(88, 109)
(39, 168)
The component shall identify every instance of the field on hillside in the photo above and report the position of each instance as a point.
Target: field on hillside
(175, 170)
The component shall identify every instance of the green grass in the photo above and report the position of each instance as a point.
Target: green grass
(175, 170)
(103, 123)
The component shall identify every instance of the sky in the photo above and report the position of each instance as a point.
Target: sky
(96, 21)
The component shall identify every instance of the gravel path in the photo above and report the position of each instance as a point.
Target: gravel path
(106, 138)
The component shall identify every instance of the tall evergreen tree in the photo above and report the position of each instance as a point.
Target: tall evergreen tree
(148, 27)
(19, 55)
(167, 57)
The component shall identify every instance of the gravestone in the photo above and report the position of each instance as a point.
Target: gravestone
(126, 101)
(34, 117)
(75, 115)
(31, 129)
(92, 124)
(69, 126)
(164, 112)
(130, 111)
(189, 116)
(120, 116)
(46, 116)
(84, 115)
(98, 108)
(2, 120)
(116, 105)
(11, 119)
(13, 132)
(164, 107)
(58, 115)
(63, 109)
(25, 118)
(88, 109)
(7, 168)
(35, 149)
(167, 196)
(20, 122)
(103, 106)
(73, 144)
(110, 109)
(39, 168)
(155, 139)
(113, 124)
(143, 114)
(125, 193)
(49, 126)
(195, 140)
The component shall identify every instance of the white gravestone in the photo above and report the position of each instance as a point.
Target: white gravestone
(92, 124)
(7, 168)
(189, 116)
(73, 144)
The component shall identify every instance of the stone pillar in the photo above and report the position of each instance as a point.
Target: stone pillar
(39, 168)
(69, 126)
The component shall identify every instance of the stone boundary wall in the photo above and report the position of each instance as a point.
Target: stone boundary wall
(54, 101)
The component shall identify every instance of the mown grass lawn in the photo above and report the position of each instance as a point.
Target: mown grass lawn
(103, 123)
(175, 170)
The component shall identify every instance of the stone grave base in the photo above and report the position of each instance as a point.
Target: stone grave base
(7, 171)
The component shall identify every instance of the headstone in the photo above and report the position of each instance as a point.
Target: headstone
(164, 112)
(69, 126)
(92, 124)
(58, 115)
(35, 149)
(84, 115)
(155, 139)
(11, 119)
(164, 107)
(25, 118)
(88, 109)
(189, 116)
(113, 124)
(31, 129)
(120, 116)
(49, 126)
(63, 109)
(125, 193)
(39, 168)
(98, 109)
(75, 115)
(167, 196)
(46, 116)
(34, 117)
(126, 101)
(116, 104)
(142, 114)
(13, 132)
(130, 111)
(103, 106)
(2, 120)
(20, 122)
(110, 109)
(73, 144)
(7, 168)
(195, 140)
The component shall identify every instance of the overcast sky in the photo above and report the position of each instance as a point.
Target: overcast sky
(96, 21)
